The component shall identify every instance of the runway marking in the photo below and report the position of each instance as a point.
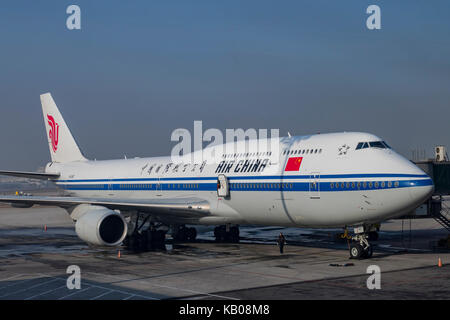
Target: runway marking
(6, 279)
(73, 293)
(129, 297)
(40, 294)
(167, 287)
(90, 285)
(103, 294)
(15, 283)
(37, 285)
(123, 292)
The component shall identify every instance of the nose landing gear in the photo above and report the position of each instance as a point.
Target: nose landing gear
(359, 245)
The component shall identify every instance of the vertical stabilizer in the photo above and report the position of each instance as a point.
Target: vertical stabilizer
(63, 147)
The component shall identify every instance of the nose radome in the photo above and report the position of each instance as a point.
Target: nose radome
(421, 193)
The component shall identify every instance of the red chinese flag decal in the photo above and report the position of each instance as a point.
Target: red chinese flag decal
(293, 164)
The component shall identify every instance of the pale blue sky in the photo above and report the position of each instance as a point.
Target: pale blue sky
(140, 69)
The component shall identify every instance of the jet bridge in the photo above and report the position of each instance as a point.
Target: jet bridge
(438, 206)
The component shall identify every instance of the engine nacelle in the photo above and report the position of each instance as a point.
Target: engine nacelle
(99, 225)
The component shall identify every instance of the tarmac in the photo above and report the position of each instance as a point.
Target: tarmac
(315, 264)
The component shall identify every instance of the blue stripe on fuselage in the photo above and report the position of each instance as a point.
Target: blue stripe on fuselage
(334, 186)
(325, 176)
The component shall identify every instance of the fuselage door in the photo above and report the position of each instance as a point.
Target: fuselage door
(314, 185)
(158, 187)
(110, 187)
(223, 186)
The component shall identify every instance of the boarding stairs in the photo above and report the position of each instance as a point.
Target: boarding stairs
(441, 213)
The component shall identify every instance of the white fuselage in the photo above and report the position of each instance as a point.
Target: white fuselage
(336, 184)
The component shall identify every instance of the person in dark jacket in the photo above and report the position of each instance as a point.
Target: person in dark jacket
(281, 242)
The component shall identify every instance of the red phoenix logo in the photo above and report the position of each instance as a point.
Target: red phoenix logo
(53, 133)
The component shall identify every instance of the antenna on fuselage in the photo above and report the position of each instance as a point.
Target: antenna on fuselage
(289, 135)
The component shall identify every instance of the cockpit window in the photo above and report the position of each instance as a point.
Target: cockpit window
(373, 144)
(362, 145)
(387, 146)
(377, 144)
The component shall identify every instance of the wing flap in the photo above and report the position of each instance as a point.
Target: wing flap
(183, 207)
(30, 175)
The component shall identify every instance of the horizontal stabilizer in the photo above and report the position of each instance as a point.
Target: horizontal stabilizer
(30, 175)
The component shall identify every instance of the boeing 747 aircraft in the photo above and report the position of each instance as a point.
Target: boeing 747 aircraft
(335, 180)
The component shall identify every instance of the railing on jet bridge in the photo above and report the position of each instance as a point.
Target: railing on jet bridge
(440, 212)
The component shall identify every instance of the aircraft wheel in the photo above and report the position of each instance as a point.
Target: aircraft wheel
(369, 252)
(356, 251)
(219, 233)
(191, 234)
(234, 234)
(181, 234)
(160, 240)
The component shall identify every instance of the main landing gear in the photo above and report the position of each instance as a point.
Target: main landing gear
(151, 238)
(183, 234)
(227, 233)
(359, 245)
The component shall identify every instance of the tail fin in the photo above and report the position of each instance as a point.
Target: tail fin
(63, 147)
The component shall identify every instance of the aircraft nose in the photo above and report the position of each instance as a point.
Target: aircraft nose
(421, 190)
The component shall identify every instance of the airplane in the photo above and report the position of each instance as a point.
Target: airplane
(329, 180)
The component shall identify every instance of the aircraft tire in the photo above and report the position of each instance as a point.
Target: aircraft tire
(368, 253)
(356, 251)
(191, 234)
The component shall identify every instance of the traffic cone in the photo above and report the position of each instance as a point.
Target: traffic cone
(439, 263)
(119, 255)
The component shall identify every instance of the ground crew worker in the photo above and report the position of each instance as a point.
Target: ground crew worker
(281, 242)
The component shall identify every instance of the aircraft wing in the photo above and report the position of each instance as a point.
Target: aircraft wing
(175, 207)
(30, 175)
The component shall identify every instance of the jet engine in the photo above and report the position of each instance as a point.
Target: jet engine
(99, 225)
